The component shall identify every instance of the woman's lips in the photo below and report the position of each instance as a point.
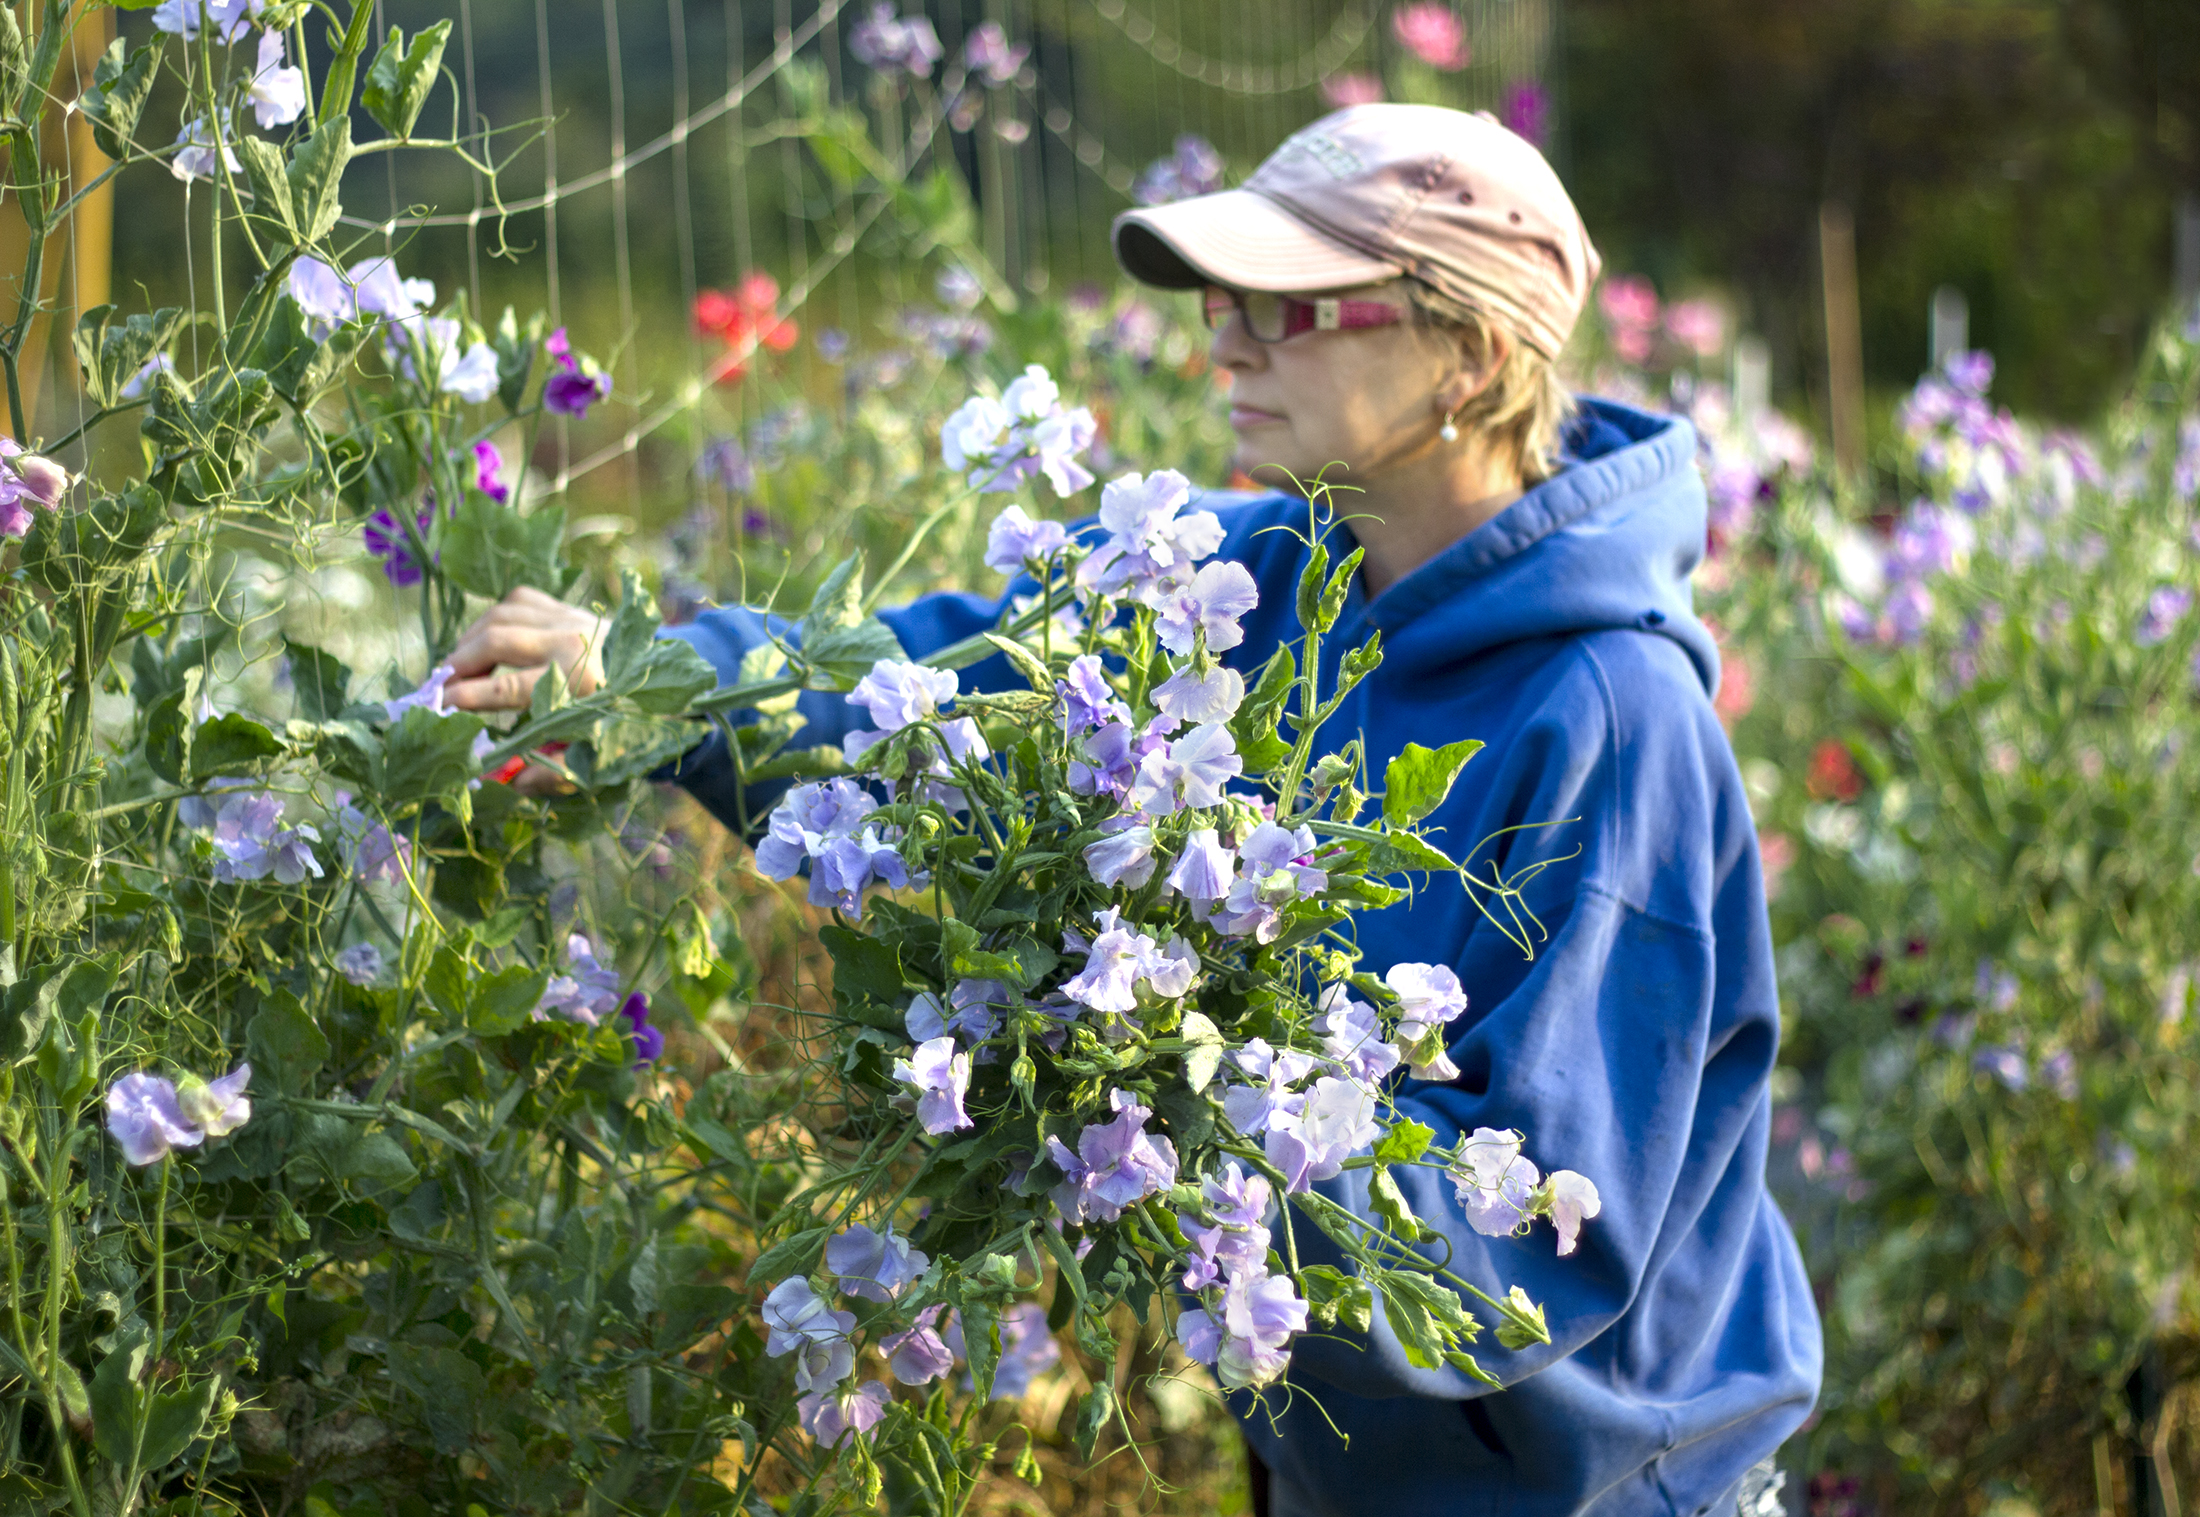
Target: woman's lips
(1251, 416)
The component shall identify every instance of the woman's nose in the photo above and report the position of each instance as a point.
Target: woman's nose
(1234, 348)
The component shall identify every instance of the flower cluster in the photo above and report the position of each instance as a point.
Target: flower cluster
(425, 348)
(823, 826)
(150, 1115)
(248, 839)
(1027, 433)
(1432, 33)
(894, 44)
(275, 90)
(744, 319)
(1193, 167)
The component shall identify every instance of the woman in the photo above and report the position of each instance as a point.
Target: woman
(1390, 291)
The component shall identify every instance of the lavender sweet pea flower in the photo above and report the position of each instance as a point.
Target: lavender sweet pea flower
(587, 994)
(894, 44)
(1352, 1036)
(216, 1108)
(1573, 1198)
(194, 158)
(1336, 1117)
(844, 867)
(1256, 1106)
(361, 963)
(473, 378)
(290, 855)
(1119, 958)
(228, 19)
(972, 434)
(988, 56)
(1199, 699)
(1126, 857)
(1188, 772)
(937, 1077)
(2166, 607)
(878, 1266)
(794, 1314)
(2006, 1063)
(1205, 870)
(831, 1415)
(381, 856)
(1247, 1336)
(1110, 760)
(278, 94)
(1495, 1181)
(1028, 1350)
(1015, 539)
(897, 693)
(1210, 602)
(821, 1366)
(143, 1116)
(1117, 1164)
(380, 290)
(1147, 539)
(429, 695)
(918, 1355)
(1235, 1242)
(323, 294)
(1172, 974)
(1087, 699)
(1429, 996)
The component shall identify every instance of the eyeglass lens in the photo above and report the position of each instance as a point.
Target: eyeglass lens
(1264, 312)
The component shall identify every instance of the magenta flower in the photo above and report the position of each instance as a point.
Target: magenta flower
(649, 1041)
(576, 384)
(1432, 34)
(1698, 325)
(1526, 111)
(937, 1077)
(26, 480)
(386, 540)
(489, 472)
(878, 1266)
(1117, 1164)
(143, 1116)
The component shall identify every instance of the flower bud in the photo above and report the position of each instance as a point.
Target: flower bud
(45, 479)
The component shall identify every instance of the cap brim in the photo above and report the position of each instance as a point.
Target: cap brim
(1240, 239)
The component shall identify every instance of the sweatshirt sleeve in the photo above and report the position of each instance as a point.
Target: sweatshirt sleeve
(1634, 1047)
(725, 636)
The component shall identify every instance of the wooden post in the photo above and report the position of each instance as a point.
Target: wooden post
(86, 248)
(1844, 336)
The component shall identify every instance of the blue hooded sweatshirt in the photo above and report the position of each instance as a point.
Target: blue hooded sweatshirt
(1634, 1045)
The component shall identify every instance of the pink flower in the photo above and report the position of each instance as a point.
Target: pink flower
(1629, 302)
(1342, 90)
(1527, 110)
(1432, 34)
(1698, 325)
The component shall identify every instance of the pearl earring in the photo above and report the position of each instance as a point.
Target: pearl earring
(1447, 431)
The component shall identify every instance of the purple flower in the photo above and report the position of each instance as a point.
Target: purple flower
(2005, 1062)
(1495, 1181)
(1147, 538)
(489, 472)
(216, 1107)
(1025, 434)
(832, 344)
(2059, 1073)
(794, 1314)
(322, 294)
(894, 44)
(898, 693)
(1117, 1164)
(878, 1266)
(1028, 1350)
(1429, 996)
(971, 1012)
(1126, 857)
(195, 153)
(1205, 870)
(1119, 957)
(1971, 373)
(143, 1115)
(588, 994)
(2185, 474)
(429, 696)
(1526, 111)
(1930, 541)
(1194, 168)
(1187, 696)
(574, 386)
(830, 1416)
(1255, 1105)
(386, 540)
(805, 817)
(1336, 1117)
(1573, 1198)
(937, 1077)
(278, 94)
(1234, 1242)
(1087, 699)
(1276, 869)
(844, 867)
(1247, 1336)
(917, 1355)
(361, 963)
(378, 854)
(1352, 1036)
(1993, 987)
(1107, 761)
(2166, 607)
(249, 846)
(1211, 602)
(227, 18)
(1189, 772)
(1909, 611)
(649, 1042)
(1015, 538)
(725, 464)
(987, 54)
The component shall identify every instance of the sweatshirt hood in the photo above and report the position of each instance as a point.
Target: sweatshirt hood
(1608, 542)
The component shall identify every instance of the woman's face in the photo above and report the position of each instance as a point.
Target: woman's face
(1364, 397)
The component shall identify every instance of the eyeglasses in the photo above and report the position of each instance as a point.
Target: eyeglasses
(1270, 317)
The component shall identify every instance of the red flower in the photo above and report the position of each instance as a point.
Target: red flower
(745, 319)
(1833, 773)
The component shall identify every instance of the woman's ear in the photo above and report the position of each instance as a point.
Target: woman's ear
(1480, 357)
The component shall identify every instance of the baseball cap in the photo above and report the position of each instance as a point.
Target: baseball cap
(1373, 192)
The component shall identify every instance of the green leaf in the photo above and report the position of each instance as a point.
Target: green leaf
(1093, 1416)
(110, 354)
(491, 550)
(264, 170)
(1404, 1143)
(982, 1345)
(1407, 853)
(426, 756)
(515, 346)
(116, 1401)
(839, 656)
(1417, 780)
(1523, 1325)
(789, 1256)
(1310, 588)
(72, 992)
(320, 681)
(1333, 1297)
(863, 967)
(120, 86)
(1426, 1317)
(401, 77)
(232, 744)
(839, 599)
(619, 750)
(375, 1162)
(1028, 664)
(299, 362)
(1390, 1206)
(173, 1420)
(284, 1041)
(661, 675)
(67, 549)
(316, 177)
(503, 1002)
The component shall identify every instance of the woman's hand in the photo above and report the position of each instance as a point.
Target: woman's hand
(499, 658)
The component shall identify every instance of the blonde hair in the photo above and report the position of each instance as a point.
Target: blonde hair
(1523, 406)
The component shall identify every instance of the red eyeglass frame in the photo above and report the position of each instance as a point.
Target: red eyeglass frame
(1301, 316)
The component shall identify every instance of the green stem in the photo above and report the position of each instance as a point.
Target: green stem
(344, 68)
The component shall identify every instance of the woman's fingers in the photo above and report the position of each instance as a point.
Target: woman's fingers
(536, 780)
(502, 654)
(505, 690)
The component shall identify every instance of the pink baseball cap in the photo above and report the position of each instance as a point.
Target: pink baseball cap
(1374, 192)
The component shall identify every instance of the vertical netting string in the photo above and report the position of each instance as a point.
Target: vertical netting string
(472, 130)
(550, 210)
(621, 254)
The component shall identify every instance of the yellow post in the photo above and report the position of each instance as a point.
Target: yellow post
(87, 254)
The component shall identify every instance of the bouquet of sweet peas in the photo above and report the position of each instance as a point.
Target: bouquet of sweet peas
(1095, 1021)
